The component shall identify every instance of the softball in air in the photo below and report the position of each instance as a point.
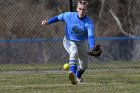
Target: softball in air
(66, 66)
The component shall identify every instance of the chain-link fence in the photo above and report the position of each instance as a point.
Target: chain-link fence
(24, 41)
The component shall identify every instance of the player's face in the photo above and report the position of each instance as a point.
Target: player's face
(82, 10)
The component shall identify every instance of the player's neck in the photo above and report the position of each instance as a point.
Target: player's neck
(81, 18)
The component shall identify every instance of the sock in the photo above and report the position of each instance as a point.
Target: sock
(73, 66)
(79, 72)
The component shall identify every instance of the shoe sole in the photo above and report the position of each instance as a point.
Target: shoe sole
(72, 78)
(81, 83)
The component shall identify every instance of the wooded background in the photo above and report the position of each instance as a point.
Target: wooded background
(24, 40)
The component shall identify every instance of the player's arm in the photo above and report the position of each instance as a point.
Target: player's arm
(95, 50)
(91, 42)
(61, 17)
(50, 21)
(91, 39)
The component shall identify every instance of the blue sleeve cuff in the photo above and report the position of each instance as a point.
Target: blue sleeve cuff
(53, 19)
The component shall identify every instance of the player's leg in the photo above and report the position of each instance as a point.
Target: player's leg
(83, 60)
(81, 69)
(71, 48)
(83, 64)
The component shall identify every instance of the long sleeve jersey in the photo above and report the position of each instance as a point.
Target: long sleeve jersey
(76, 29)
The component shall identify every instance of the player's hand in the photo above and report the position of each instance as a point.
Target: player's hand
(96, 51)
(44, 22)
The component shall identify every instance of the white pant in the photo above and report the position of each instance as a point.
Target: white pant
(77, 52)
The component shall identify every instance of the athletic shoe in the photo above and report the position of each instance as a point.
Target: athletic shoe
(80, 81)
(72, 78)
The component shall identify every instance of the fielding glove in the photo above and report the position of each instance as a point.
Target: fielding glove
(96, 51)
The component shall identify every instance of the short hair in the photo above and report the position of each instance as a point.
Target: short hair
(83, 2)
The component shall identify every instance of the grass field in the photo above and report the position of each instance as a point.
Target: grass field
(120, 79)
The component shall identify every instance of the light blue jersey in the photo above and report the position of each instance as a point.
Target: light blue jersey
(76, 29)
(77, 33)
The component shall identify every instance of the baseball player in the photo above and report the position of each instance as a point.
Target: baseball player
(79, 37)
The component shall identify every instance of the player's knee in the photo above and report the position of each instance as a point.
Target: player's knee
(73, 56)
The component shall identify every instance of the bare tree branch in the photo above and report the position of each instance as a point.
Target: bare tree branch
(120, 25)
(102, 7)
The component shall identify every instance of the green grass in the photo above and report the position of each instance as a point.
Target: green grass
(101, 77)
(98, 81)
